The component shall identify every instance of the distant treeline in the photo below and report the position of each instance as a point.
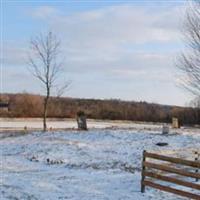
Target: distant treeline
(28, 105)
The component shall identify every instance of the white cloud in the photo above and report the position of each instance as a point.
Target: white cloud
(13, 54)
(119, 24)
(129, 73)
(100, 39)
(44, 12)
(113, 42)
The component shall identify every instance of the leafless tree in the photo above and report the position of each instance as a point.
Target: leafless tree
(195, 103)
(189, 61)
(44, 64)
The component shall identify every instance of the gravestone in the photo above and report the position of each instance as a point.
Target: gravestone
(165, 129)
(81, 120)
(175, 123)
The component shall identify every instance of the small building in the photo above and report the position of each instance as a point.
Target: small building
(4, 106)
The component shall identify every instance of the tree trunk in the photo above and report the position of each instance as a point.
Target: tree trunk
(45, 114)
(46, 101)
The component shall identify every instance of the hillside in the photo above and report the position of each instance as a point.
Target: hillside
(30, 105)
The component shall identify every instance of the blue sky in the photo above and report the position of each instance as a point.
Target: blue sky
(112, 49)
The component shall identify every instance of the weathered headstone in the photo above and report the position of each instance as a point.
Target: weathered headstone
(165, 129)
(81, 121)
(175, 123)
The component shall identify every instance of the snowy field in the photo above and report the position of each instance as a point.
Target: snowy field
(65, 123)
(101, 164)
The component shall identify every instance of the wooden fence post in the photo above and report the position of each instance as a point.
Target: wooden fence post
(142, 173)
(196, 159)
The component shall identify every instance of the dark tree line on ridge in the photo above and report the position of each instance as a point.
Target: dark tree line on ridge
(29, 105)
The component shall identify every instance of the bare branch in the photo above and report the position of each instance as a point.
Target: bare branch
(189, 62)
(60, 91)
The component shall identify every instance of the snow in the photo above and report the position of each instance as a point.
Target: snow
(96, 164)
(65, 123)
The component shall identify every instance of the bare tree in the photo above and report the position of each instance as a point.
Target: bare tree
(44, 65)
(189, 61)
(195, 103)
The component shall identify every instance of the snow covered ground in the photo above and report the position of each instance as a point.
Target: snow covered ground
(65, 123)
(101, 164)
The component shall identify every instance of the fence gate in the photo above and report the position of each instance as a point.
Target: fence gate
(163, 171)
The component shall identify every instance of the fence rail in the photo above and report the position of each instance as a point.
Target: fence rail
(151, 172)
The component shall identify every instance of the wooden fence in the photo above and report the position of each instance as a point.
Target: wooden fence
(152, 171)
